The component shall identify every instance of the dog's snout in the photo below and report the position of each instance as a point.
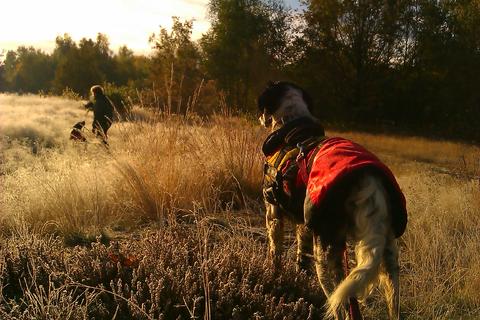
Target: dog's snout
(265, 120)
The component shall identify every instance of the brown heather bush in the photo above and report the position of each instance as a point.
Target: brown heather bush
(168, 223)
(171, 271)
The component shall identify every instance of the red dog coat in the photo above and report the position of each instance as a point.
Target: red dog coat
(336, 159)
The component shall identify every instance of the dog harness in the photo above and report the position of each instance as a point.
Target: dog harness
(301, 162)
(283, 150)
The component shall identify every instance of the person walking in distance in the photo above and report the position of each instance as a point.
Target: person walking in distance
(102, 108)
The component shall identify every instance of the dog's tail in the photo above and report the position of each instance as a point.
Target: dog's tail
(370, 212)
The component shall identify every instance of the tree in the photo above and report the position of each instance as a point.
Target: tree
(124, 66)
(407, 63)
(28, 70)
(80, 66)
(3, 84)
(175, 72)
(447, 55)
(355, 43)
(245, 47)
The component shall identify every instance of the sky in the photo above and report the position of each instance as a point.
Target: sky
(126, 22)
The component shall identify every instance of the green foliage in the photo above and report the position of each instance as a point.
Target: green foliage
(130, 69)
(72, 68)
(349, 48)
(245, 47)
(80, 66)
(175, 72)
(404, 64)
(27, 70)
(3, 85)
(123, 98)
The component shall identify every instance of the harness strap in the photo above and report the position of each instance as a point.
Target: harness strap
(282, 167)
(312, 157)
(309, 147)
(353, 307)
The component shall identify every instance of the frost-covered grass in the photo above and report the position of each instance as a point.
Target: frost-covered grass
(179, 201)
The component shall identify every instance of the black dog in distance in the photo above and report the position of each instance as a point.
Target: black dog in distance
(77, 132)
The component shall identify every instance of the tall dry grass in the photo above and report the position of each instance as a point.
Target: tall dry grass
(440, 250)
(153, 169)
(47, 120)
(447, 157)
(181, 197)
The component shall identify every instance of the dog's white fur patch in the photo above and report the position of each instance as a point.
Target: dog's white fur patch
(263, 120)
(292, 107)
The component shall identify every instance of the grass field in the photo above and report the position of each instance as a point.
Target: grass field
(168, 222)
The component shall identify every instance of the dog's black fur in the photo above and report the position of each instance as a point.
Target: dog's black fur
(270, 98)
(77, 132)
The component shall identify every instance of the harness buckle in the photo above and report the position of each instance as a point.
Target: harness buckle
(301, 151)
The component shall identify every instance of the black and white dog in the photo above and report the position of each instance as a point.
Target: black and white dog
(335, 191)
(77, 133)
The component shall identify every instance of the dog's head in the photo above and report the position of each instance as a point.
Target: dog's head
(282, 102)
(79, 125)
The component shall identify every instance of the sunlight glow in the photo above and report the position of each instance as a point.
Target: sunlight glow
(125, 22)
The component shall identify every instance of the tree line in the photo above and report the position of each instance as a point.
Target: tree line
(71, 65)
(405, 65)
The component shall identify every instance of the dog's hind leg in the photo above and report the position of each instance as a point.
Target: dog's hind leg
(389, 278)
(329, 267)
(304, 247)
(274, 224)
(368, 207)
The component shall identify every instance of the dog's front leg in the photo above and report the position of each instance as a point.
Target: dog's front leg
(274, 224)
(304, 247)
